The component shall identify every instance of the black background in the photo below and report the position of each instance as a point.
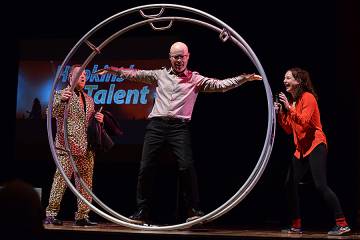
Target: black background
(320, 36)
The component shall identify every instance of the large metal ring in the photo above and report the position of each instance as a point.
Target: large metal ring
(225, 33)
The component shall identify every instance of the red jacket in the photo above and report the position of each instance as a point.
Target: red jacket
(303, 121)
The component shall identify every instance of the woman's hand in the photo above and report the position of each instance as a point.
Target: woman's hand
(284, 100)
(278, 107)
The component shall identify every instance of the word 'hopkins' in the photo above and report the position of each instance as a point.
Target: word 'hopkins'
(110, 95)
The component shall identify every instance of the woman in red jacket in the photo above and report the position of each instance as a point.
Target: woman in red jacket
(300, 116)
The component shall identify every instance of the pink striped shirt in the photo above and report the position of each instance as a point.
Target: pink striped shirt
(176, 93)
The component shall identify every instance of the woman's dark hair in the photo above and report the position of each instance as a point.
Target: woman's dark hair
(305, 84)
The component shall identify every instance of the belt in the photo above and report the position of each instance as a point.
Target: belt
(172, 119)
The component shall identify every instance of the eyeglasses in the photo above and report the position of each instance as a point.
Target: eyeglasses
(181, 57)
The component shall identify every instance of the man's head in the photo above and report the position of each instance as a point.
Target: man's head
(179, 56)
(80, 84)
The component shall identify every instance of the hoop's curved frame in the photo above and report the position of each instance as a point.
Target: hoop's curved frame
(225, 33)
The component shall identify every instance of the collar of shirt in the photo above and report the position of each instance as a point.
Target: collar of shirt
(77, 92)
(185, 75)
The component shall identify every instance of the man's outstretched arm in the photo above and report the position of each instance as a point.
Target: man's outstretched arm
(136, 75)
(216, 85)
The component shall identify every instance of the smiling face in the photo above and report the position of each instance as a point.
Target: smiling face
(82, 78)
(179, 57)
(291, 84)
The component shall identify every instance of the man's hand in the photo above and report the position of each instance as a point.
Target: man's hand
(252, 77)
(102, 71)
(65, 95)
(99, 117)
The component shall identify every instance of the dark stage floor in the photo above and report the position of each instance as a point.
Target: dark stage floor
(105, 231)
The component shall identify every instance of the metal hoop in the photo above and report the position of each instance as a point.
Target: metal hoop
(230, 34)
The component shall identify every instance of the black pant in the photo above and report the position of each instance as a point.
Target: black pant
(316, 163)
(177, 135)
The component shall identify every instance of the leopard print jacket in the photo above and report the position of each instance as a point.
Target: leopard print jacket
(78, 122)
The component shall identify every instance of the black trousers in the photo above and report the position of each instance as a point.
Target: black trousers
(316, 163)
(176, 134)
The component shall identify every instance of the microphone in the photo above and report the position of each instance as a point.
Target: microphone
(277, 101)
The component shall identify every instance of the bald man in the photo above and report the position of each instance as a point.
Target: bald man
(176, 89)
